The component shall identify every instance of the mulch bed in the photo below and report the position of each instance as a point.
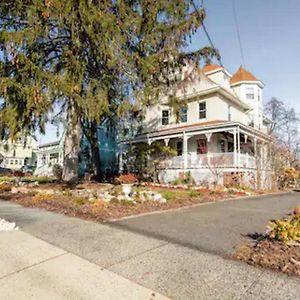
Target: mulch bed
(101, 211)
(271, 254)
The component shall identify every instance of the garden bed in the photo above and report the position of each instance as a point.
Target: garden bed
(61, 198)
(278, 248)
(271, 254)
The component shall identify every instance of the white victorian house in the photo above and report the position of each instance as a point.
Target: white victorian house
(221, 132)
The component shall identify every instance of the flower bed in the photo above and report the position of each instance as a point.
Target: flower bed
(278, 249)
(102, 202)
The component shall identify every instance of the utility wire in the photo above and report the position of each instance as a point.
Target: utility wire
(204, 28)
(238, 32)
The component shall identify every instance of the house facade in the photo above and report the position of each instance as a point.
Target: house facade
(16, 154)
(220, 130)
(48, 155)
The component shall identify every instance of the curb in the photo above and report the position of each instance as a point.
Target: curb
(195, 205)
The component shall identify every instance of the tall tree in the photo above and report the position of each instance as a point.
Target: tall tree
(285, 126)
(92, 58)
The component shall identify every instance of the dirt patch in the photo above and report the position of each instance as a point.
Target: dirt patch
(271, 254)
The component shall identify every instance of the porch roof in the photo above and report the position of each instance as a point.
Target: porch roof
(200, 128)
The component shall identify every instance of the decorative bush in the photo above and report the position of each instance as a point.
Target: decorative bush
(4, 187)
(127, 179)
(288, 177)
(39, 198)
(286, 230)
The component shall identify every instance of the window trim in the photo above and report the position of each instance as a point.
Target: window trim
(200, 111)
(163, 118)
(183, 115)
(251, 94)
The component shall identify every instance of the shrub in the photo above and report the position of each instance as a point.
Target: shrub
(40, 198)
(168, 195)
(286, 230)
(4, 187)
(80, 200)
(127, 179)
(57, 171)
(194, 194)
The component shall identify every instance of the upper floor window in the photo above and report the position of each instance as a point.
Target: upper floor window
(183, 114)
(165, 117)
(250, 93)
(202, 110)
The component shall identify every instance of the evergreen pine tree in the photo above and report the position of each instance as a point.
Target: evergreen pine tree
(93, 59)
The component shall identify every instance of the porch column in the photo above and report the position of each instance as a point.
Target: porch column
(234, 147)
(238, 147)
(185, 151)
(121, 161)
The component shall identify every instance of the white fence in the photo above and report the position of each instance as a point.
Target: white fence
(212, 160)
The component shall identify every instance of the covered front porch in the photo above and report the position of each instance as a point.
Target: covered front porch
(224, 145)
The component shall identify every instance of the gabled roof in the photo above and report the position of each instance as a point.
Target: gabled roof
(242, 75)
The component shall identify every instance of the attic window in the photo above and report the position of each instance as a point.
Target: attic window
(250, 93)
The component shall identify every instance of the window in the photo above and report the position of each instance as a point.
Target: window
(183, 114)
(165, 117)
(250, 93)
(11, 161)
(258, 95)
(179, 148)
(202, 110)
(229, 112)
(16, 162)
(201, 146)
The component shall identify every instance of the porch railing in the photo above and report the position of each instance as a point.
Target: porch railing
(212, 160)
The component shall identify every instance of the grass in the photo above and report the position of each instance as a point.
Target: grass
(28, 179)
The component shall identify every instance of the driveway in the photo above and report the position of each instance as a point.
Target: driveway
(214, 227)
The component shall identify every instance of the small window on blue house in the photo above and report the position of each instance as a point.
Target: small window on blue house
(202, 110)
(183, 114)
(165, 117)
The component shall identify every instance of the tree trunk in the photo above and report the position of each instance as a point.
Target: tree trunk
(71, 147)
(95, 150)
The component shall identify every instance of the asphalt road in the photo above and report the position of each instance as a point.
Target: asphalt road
(215, 227)
(159, 252)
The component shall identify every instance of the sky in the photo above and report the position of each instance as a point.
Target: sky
(270, 35)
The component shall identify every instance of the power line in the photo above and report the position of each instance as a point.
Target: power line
(204, 28)
(238, 32)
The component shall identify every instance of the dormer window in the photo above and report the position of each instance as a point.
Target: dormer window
(250, 93)
(183, 114)
(165, 117)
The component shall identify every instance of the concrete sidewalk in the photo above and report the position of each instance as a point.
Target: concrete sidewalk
(174, 270)
(33, 269)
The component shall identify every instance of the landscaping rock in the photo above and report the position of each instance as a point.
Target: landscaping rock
(7, 226)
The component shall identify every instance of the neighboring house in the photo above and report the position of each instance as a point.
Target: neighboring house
(107, 137)
(221, 131)
(48, 155)
(53, 153)
(15, 155)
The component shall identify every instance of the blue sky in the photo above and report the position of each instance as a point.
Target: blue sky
(270, 34)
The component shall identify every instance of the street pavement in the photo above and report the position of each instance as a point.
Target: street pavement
(171, 253)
